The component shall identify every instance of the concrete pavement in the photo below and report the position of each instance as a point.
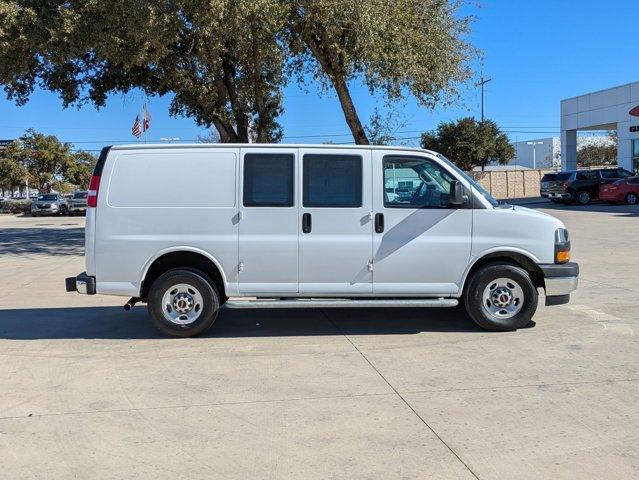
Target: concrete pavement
(90, 391)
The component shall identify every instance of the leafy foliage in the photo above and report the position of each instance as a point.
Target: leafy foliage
(49, 164)
(226, 61)
(402, 47)
(602, 151)
(469, 143)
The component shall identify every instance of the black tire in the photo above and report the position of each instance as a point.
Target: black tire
(63, 210)
(583, 197)
(209, 308)
(632, 198)
(482, 278)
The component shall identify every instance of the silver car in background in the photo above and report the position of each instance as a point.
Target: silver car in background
(49, 204)
(78, 203)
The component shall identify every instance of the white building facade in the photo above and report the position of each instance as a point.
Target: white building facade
(539, 153)
(615, 108)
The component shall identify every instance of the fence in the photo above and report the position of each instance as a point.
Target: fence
(511, 183)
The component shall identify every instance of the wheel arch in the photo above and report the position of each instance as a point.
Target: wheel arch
(519, 258)
(182, 257)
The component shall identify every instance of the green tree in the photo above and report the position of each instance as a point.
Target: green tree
(45, 157)
(13, 173)
(222, 60)
(402, 47)
(78, 171)
(469, 143)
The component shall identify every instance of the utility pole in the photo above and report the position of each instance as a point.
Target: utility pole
(482, 81)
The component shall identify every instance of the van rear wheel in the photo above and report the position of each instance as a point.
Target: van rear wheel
(501, 297)
(183, 303)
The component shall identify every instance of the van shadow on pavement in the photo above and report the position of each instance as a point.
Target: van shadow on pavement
(115, 323)
(45, 241)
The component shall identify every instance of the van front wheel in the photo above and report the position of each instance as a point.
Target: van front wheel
(501, 297)
(183, 303)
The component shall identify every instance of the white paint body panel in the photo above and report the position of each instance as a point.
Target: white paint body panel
(158, 199)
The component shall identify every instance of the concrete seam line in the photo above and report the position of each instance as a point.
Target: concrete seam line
(194, 405)
(450, 449)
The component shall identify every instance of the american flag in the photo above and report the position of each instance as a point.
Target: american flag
(137, 128)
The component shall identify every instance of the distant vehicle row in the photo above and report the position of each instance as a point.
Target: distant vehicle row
(583, 186)
(56, 204)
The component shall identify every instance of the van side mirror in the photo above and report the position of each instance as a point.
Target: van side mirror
(457, 195)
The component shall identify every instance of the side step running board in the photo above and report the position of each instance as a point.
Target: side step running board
(340, 303)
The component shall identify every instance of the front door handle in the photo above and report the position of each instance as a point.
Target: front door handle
(306, 223)
(379, 223)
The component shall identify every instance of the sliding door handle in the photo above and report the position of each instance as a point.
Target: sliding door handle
(379, 223)
(306, 223)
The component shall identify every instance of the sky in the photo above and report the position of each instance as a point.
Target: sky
(536, 52)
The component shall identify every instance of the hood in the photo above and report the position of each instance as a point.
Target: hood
(529, 212)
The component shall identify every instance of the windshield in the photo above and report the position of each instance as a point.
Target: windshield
(80, 195)
(48, 198)
(470, 180)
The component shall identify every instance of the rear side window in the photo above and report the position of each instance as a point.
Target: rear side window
(549, 177)
(608, 174)
(584, 176)
(332, 181)
(563, 176)
(268, 179)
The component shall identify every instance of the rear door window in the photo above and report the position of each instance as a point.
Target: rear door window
(332, 181)
(268, 179)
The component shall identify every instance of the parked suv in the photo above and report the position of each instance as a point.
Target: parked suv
(579, 186)
(49, 203)
(78, 203)
(282, 226)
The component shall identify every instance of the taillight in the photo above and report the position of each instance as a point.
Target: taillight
(564, 185)
(92, 194)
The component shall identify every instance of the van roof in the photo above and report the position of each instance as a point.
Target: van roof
(167, 146)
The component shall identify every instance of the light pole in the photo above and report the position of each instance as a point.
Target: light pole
(534, 145)
(482, 81)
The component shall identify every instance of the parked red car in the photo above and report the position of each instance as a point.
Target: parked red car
(625, 190)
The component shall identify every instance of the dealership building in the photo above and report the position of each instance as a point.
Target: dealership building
(611, 109)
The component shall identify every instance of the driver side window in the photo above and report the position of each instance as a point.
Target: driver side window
(415, 182)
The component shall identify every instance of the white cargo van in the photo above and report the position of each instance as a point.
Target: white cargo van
(188, 228)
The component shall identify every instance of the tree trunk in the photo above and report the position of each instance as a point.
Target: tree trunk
(350, 114)
(334, 74)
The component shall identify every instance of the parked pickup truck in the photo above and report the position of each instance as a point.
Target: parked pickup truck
(579, 186)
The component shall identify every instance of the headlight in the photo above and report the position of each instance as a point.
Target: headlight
(562, 246)
(561, 235)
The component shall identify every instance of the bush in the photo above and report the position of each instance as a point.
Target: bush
(16, 206)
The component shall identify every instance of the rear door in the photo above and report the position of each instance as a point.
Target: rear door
(335, 214)
(268, 221)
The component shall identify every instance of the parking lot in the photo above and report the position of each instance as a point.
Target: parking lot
(88, 390)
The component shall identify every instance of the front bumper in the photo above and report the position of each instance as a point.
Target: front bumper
(83, 283)
(560, 281)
